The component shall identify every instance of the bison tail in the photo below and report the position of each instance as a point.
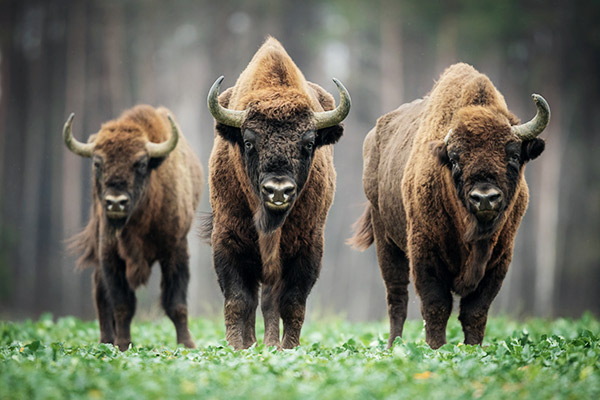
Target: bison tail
(205, 227)
(363, 231)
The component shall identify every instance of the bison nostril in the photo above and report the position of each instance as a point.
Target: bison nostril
(475, 198)
(268, 189)
(288, 190)
(123, 203)
(494, 197)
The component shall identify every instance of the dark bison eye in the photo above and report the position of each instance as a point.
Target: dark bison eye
(309, 140)
(141, 166)
(249, 138)
(97, 164)
(516, 158)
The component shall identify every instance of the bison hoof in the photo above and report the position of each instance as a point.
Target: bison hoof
(107, 340)
(189, 343)
(273, 343)
(436, 344)
(122, 344)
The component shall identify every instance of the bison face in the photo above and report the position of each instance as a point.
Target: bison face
(121, 176)
(123, 160)
(277, 158)
(277, 134)
(485, 159)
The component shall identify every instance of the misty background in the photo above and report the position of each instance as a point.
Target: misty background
(98, 58)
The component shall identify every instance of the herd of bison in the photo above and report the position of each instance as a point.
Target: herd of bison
(443, 175)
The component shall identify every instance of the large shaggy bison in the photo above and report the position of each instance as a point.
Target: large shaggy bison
(272, 182)
(444, 179)
(146, 185)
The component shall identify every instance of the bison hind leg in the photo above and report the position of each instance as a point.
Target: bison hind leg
(270, 311)
(395, 272)
(174, 284)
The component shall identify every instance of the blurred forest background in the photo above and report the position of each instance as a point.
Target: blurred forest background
(97, 58)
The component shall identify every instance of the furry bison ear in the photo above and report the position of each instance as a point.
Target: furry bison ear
(231, 134)
(440, 151)
(531, 149)
(329, 135)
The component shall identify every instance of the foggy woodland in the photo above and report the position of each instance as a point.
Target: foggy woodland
(97, 58)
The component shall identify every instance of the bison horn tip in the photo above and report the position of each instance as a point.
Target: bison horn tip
(160, 150)
(325, 119)
(532, 129)
(227, 117)
(77, 147)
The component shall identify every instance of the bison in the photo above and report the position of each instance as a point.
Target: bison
(146, 184)
(271, 181)
(443, 176)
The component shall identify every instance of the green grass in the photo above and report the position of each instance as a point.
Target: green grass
(536, 359)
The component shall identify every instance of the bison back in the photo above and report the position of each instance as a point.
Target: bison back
(386, 152)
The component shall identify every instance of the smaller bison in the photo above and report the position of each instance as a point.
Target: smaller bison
(444, 180)
(272, 182)
(146, 184)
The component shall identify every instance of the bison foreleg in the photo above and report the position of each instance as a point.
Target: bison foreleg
(249, 337)
(270, 311)
(104, 308)
(174, 284)
(238, 278)
(299, 276)
(122, 299)
(475, 306)
(435, 295)
(395, 272)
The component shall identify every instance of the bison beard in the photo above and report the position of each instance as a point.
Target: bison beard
(444, 180)
(271, 185)
(147, 184)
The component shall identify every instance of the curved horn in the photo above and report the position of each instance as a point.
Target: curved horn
(77, 147)
(221, 114)
(532, 129)
(159, 150)
(326, 119)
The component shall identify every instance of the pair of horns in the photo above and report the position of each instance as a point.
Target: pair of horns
(532, 129)
(235, 118)
(155, 150)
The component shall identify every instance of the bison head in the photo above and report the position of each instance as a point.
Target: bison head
(485, 155)
(123, 160)
(277, 135)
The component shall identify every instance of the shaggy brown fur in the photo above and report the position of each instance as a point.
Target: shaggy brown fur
(250, 243)
(164, 194)
(418, 190)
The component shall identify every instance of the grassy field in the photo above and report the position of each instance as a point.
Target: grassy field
(337, 360)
